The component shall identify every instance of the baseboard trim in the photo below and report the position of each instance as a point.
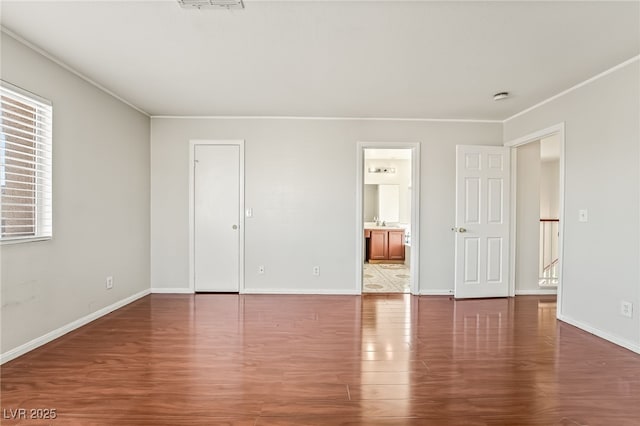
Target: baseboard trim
(52, 335)
(436, 292)
(602, 334)
(174, 290)
(536, 292)
(300, 291)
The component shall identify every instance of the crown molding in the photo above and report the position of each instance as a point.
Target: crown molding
(285, 117)
(577, 86)
(69, 68)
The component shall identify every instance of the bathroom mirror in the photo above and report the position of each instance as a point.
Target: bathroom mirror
(382, 202)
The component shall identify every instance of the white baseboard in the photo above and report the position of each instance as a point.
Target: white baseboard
(536, 292)
(449, 292)
(182, 290)
(436, 292)
(299, 291)
(634, 347)
(175, 290)
(52, 335)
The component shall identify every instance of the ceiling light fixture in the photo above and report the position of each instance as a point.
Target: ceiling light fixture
(500, 95)
(211, 4)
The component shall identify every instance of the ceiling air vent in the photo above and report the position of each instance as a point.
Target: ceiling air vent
(211, 4)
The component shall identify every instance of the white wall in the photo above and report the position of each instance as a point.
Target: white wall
(101, 205)
(301, 184)
(549, 189)
(602, 174)
(528, 217)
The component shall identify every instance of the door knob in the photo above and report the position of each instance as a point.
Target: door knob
(234, 227)
(461, 230)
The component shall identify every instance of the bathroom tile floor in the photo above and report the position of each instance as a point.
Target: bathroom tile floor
(386, 278)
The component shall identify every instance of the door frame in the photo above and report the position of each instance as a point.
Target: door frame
(415, 209)
(557, 129)
(192, 146)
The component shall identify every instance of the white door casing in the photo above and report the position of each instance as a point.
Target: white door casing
(415, 209)
(216, 217)
(557, 129)
(482, 221)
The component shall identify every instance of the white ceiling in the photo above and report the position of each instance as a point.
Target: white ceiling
(395, 59)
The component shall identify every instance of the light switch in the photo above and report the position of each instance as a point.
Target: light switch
(582, 215)
(249, 212)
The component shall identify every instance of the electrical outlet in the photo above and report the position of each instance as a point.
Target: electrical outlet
(109, 283)
(316, 271)
(626, 309)
(261, 269)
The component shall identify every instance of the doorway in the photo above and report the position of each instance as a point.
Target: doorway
(537, 216)
(387, 225)
(538, 213)
(216, 221)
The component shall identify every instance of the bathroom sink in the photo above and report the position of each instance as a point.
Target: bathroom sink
(374, 226)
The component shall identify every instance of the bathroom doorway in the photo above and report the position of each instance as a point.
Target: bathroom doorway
(387, 219)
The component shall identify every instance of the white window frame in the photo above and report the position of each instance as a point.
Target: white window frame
(43, 221)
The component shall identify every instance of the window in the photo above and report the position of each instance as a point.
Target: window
(25, 165)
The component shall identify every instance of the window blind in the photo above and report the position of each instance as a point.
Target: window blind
(25, 165)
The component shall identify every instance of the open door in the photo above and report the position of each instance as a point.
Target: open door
(482, 221)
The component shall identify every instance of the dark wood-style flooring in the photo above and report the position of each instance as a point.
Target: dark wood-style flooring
(327, 360)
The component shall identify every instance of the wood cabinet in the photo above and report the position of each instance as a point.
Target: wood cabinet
(385, 245)
(395, 247)
(378, 245)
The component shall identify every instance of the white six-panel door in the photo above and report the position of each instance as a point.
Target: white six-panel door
(217, 209)
(482, 221)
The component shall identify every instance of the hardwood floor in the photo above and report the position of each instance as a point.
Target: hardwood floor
(327, 360)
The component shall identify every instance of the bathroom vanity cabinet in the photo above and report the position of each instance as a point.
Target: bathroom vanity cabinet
(384, 245)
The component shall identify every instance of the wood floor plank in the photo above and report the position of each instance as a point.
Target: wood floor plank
(327, 360)
(366, 421)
